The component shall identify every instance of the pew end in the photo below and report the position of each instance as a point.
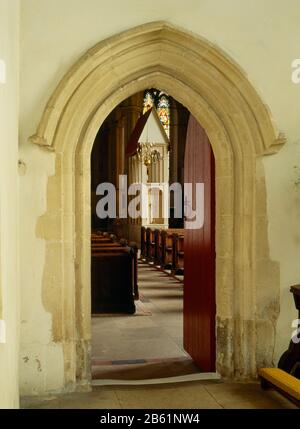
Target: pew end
(113, 274)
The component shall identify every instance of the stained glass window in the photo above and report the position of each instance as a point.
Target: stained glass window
(163, 110)
(158, 99)
(148, 101)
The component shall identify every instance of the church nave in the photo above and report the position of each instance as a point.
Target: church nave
(148, 344)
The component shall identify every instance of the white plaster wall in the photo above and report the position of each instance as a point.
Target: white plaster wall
(263, 37)
(9, 280)
(41, 360)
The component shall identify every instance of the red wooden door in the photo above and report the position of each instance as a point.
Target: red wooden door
(199, 253)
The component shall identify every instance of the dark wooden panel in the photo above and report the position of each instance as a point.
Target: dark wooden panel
(199, 254)
(111, 278)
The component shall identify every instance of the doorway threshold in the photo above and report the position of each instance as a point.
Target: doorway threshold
(202, 376)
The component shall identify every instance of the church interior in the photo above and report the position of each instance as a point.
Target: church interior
(151, 348)
(149, 206)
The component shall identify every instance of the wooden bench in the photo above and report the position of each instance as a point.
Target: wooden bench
(112, 279)
(286, 384)
(173, 253)
(109, 268)
(164, 248)
(134, 249)
(107, 245)
(178, 254)
(143, 242)
(157, 247)
(117, 249)
(148, 245)
(169, 256)
(152, 255)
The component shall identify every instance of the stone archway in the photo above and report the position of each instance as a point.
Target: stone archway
(219, 95)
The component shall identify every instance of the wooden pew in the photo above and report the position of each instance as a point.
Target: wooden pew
(112, 279)
(101, 234)
(106, 244)
(178, 254)
(143, 242)
(99, 245)
(134, 248)
(148, 245)
(114, 248)
(175, 238)
(100, 238)
(157, 246)
(164, 248)
(167, 249)
(152, 257)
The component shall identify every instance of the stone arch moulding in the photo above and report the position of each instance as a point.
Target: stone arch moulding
(239, 126)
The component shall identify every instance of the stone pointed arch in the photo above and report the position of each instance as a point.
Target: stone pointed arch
(218, 93)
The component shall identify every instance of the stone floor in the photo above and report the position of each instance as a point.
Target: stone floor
(150, 342)
(198, 395)
(158, 334)
(126, 345)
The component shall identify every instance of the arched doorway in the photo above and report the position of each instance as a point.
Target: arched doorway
(177, 293)
(240, 130)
